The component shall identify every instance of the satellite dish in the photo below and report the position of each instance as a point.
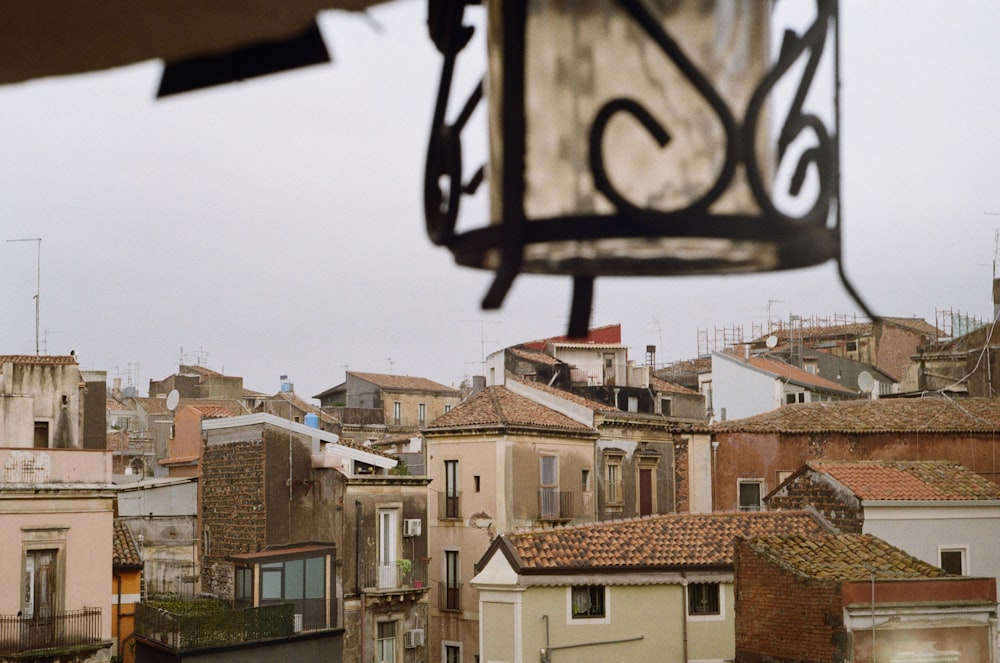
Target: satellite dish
(771, 342)
(173, 398)
(866, 382)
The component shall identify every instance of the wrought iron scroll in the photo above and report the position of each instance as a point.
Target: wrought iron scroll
(740, 139)
(444, 152)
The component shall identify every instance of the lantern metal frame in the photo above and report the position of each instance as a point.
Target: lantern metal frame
(807, 239)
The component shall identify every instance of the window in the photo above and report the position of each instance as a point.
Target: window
(475, 482)
(40, 580)
(388, 524)
(585, 481)
(665, 407)
(41, 435)
(452, 654)
(750, 492)
(852, 346)
(243, 588)
(385, 642)
(422, 413)
(302, 581)
(633, 404)
(588, 601)
(451, 492)
(397, 412)
(703, 598)
(613, 493)
(783, 475)
(799, 397)
(953, 560)
(447, 409)
(548, 495)
(452, 598)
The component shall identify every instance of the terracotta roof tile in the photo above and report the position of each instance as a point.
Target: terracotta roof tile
(59, 360)
(608, 334)
(678, 540)
(116, 406)
(909, 480)
(570, 396)
(403, 382)
(534, 355)
(220, 407)
(201, 371)
(152, 405)
(888, 415)
(126, 552)
(843, 557)
(790, 373)
(306, 406)
(667, 387)
(498, 406)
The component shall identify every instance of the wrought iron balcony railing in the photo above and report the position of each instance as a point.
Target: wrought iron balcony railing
(555, 504)
(62, 629)
(449, 506)
(449, 596)
(377, 577)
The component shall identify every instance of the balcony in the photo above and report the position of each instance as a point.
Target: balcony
(77, 629)
(49, 466)
(376, 578)
(212, 625)
(449, 506)
(449, 596)
(556, 505)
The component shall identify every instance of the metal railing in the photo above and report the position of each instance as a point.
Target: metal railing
(449, 506)
(449, 596)
(555, 504)
(213, 628)
(377, 577)
(62, 629)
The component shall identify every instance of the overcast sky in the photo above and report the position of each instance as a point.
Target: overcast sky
(276, 227)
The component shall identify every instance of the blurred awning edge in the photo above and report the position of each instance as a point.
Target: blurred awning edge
(40, 38)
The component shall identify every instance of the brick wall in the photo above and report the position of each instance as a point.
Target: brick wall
(783, 617)
(232, 509)
(838, 507)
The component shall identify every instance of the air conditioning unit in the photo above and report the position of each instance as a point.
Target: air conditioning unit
(414, 637)
(411, 527)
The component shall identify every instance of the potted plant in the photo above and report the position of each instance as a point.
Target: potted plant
(404, 566)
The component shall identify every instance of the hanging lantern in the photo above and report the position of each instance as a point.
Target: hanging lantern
(633, 138)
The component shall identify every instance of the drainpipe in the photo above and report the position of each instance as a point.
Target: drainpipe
(684, 610)
(715, 454)
(357, 573)
(118, 614)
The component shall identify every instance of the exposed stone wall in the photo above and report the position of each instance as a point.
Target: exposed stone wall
(784, 617)
(681, 481)
(233, 515)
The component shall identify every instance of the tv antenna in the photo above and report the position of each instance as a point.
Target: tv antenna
(38, 283)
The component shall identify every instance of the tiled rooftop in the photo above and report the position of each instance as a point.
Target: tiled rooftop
(909, 480)
(789, 373)
(152, 405)
(699, 540)
(571, 397)
(667, 387)
(306, 406)
(609, 334)
(201, 371)
(534, 355)
(39, 359)
(498, 406)
(126, 552)
(843, 557)
(403, 382)
(220, 407)
(932, 414)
